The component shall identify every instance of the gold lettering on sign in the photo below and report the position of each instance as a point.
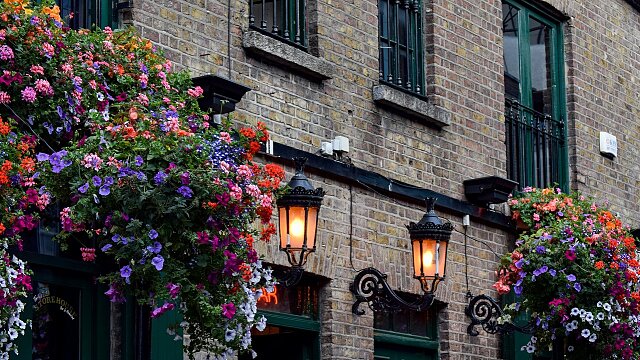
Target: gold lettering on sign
(63, 305)
(266, 296)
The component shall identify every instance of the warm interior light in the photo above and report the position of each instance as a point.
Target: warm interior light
(297, 228)
(424, 258)
(427, 258)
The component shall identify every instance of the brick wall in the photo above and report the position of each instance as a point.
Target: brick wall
(463, 43)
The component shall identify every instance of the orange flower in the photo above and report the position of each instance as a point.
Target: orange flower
(2, 228)
(249, 239)
(23, 147)
(129, 132)
(4, 128)
(599, 265)
(614, 266)
(28, 164)
(7, 165)
(630, 243)
(53, 12)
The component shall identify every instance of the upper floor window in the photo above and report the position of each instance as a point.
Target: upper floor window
(534, 91)
(84, 14)
(284, 19)
(400, 44)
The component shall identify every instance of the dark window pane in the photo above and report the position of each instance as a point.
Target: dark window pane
(400, 41)
(511, 51)
(406, 322)
(56, 325)
(383, 18)
(540, 67)
(282, 18)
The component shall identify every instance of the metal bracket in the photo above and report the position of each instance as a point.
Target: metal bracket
(483, 310)
(370, 286)
(292, 277)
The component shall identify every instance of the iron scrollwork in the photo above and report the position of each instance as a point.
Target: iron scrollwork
(370, 286)
(485, 311)
(292, 277)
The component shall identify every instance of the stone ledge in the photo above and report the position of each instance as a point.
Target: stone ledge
(274, 50)
(410, 106)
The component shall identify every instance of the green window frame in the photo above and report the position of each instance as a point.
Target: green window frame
(406, 335)
(400, 44)
(281, 19)
(535, 102)
(303, 336)
(89, 13)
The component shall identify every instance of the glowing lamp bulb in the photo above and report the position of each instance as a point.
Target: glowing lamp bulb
(297, 228)
(427, 259)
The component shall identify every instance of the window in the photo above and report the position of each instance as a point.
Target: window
(534, 91)
(405, 335)
(87, 13)
(293, 329)
(283, 19)
(400, 44)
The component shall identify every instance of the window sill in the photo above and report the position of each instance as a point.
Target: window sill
(276, 51)
(411, 106)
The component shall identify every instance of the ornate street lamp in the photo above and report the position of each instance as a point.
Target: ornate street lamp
(429, 241)
(298, 219)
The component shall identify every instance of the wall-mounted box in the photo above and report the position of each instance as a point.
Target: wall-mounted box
(608, 145)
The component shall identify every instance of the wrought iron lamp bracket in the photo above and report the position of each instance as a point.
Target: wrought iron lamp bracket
(292, 276)
(484, 311)
(370, 286)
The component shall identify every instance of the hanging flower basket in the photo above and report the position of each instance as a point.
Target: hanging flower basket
(143, 178)
(575, 272)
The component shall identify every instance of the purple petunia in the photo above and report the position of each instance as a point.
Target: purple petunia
(114, 294)
(577, 286)
(83, 189)
(185, 191)
(153, 234)
(108, 181)
(571, 277)
(160, 178)
(158, 262)
(155, 248)
(42, 157)
(139, 161)
(185, 178)
(56, 160)
(541, 249)
(125, 272)
(104, 190)
(228, 310)
(106, 247)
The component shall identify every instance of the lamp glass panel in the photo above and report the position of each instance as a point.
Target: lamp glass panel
(424, 259)
(282, 220)
(311, 227)
(442, 258)
(296, 226)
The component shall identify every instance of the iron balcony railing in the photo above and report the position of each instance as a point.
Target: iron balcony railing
(535, 146)
(283, 19)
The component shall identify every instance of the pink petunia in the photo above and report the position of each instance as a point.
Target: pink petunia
(6, 53)
(4, 97)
